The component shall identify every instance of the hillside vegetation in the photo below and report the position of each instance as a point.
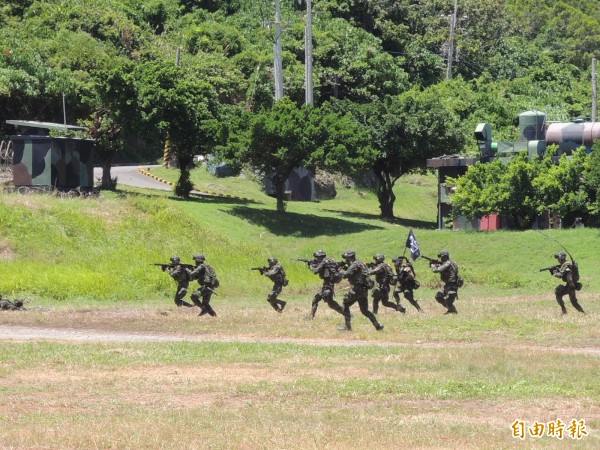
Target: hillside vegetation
(395, 81)
(56, 250)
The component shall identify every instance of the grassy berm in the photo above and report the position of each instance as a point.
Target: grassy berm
(102, 358)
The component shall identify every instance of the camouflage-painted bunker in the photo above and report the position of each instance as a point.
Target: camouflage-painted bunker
(54, 162)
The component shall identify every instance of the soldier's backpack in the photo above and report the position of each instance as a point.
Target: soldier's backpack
(575, 271)
(211, 276)
(389, 274)
(284, 279)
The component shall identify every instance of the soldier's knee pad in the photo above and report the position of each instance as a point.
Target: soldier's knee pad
(439, 296)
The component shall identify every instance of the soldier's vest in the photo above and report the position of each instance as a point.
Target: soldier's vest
(280, 276)
(389, 274)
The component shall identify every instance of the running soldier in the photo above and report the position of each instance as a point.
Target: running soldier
(384, 276)
(357, 274)
(180, 274)
(276, 274)
(569, 273)
(406, 281)
(448, 271)
(208, 282)
(328, 271)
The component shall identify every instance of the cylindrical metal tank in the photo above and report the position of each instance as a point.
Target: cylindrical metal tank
(569, 136)
(532, 125)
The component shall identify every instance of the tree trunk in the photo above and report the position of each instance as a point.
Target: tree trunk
(385, 193)
(279, 185)
(107, 181)
(184, 185)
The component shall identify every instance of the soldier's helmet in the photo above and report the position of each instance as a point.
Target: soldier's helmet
(349, 254)
(560, 256)
(444, 254)
(175, 259)
(319, 254)
(18, 303)
(379, 257)
(272, 261)
(200, 257)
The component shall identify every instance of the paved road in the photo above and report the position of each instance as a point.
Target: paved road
(130, 176)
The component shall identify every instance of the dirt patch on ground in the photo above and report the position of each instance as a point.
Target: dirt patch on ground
(29, 333)
(6, 252)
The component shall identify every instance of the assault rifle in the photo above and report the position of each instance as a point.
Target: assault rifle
(164, 266)
(551, 268)
(306, 260)
(431, 260)
(260, 269)
(341, 265)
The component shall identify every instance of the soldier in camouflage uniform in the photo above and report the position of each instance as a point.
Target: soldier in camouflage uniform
(384, 276)
(327, 269)
(181, 275)
(406, 281)
(208, 282)
(276, 274)
(448, 271)
(357, 274)
(565, 271)
(7, 305)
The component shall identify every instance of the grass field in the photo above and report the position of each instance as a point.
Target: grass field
(103, 358)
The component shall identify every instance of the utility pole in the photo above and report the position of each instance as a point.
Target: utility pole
(594, 89)
(451, 42)
(308, 61)
(278, 64)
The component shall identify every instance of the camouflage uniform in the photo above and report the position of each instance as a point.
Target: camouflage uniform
(406, 281)
(7, 305)
(181, 275)
(357, 275)
(327, 269)
(276, 274)
(448, 271)
(384, 276)
(565, 273)
(208, 282)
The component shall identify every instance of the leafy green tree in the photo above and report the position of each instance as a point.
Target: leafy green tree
(175, 101)
(103, 128)
(592, 181)
(476, 194)
(560, 186)
(405, 131)
(285, 137)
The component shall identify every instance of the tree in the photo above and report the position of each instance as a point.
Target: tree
(405, 131)
(592, 181)
(104, 129)
(476, 193)
(285, 137)
(175, 101)
(560, 186)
